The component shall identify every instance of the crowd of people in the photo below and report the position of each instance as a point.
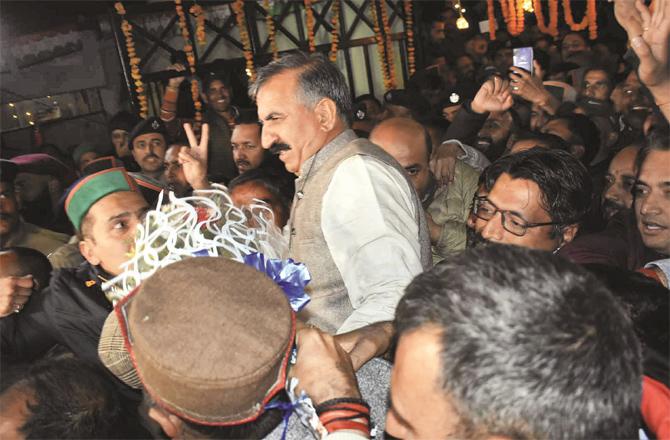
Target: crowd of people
(487, 249)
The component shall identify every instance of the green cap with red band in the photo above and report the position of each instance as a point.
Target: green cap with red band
(93, 188)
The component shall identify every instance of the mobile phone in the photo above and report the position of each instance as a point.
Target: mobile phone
(523, 58)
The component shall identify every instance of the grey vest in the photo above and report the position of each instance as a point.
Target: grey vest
(330, 305)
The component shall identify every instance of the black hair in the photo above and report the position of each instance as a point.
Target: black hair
(71, 399)
(32, 262)
(247, 116)
(584, 132)
(258, 428)
(367, 97)
(580, 34)
(565, 184)
(317, 78)
(280, 185)
(209, 77)
(608, 72)
(543, 59)
(531, 345)
(552, 141)
(657, 140)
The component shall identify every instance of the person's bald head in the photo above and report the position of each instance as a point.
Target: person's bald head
(409, 143)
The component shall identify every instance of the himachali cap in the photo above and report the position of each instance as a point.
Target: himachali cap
(210, 339)
(94, 187)
(149, 125)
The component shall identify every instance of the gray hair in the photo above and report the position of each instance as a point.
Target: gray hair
(318, 79)
(532, 346)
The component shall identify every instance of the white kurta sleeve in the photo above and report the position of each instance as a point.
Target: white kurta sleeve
(369, 222)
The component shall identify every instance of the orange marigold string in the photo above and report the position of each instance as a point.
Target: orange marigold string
(309, 23)
(593, 19)
(520, 16)
(567, 15)
(270, 25)
(380, 45)
(199, 14)
(552, 28)
(390, 58)
(335, 33)
(190, 58)
(490, 10)
(133, 60)
(238, 9)
(409, 32)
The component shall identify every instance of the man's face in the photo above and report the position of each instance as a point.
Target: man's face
(503, 59)
(572, 45)
(523, 198)
(652, 201)
(288, 124)
(174, 174)
(120, 142)
(250, 192)
(408, 150)
(437, 31)
(87, 158)
(597, 85)
(619, 181)
(246, 144)
(9, 212)
(494, 133)
(149, 151)
(465, 67)
(217, 96)
(419, 408)
(109, 229)
(30, 186)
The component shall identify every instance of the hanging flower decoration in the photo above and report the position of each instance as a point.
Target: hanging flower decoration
(380, 46)
(389, 43)
(514, 15)
(409, 31)
(552, 29)
(133, 60)
(199, 14)
(238, 9)
(309, 22)
(335, 33)
(270, 25)
(589, 20)
(190, 58)
(490, 10)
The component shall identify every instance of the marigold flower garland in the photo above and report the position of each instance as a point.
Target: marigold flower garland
(409, 32)
(552, 29)
(199, 14)
(335, 34)
(490, 10)
(309, 23)
(389, 43)
(589, 20)
(270, 25)
(380, 46)
(190, 57)
(238, 9)
(133, 60)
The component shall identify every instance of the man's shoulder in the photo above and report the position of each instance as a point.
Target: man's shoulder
(41, 239)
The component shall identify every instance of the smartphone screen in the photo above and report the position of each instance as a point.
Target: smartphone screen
(523, 58)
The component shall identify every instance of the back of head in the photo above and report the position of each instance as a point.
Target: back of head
(531, 345)
(318, 78)
(30, 262)
(68, 398)
(563, 181)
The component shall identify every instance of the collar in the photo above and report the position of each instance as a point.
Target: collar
(317, 160)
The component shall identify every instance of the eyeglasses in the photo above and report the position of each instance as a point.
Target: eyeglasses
(484, 209)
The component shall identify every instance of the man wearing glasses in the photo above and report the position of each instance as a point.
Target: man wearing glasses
(532, 199)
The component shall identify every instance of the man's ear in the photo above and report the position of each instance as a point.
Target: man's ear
(86, 249)
(203, 96)
(326, 113)
(569, 233)
(171, 425)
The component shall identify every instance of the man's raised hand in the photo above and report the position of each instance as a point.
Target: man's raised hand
(194, 162)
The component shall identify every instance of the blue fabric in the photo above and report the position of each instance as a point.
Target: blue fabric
(292, 277)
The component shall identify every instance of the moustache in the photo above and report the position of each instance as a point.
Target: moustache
(242, 162)
(474, 239)
(149, 156)
(609, 205)
(278, 147)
